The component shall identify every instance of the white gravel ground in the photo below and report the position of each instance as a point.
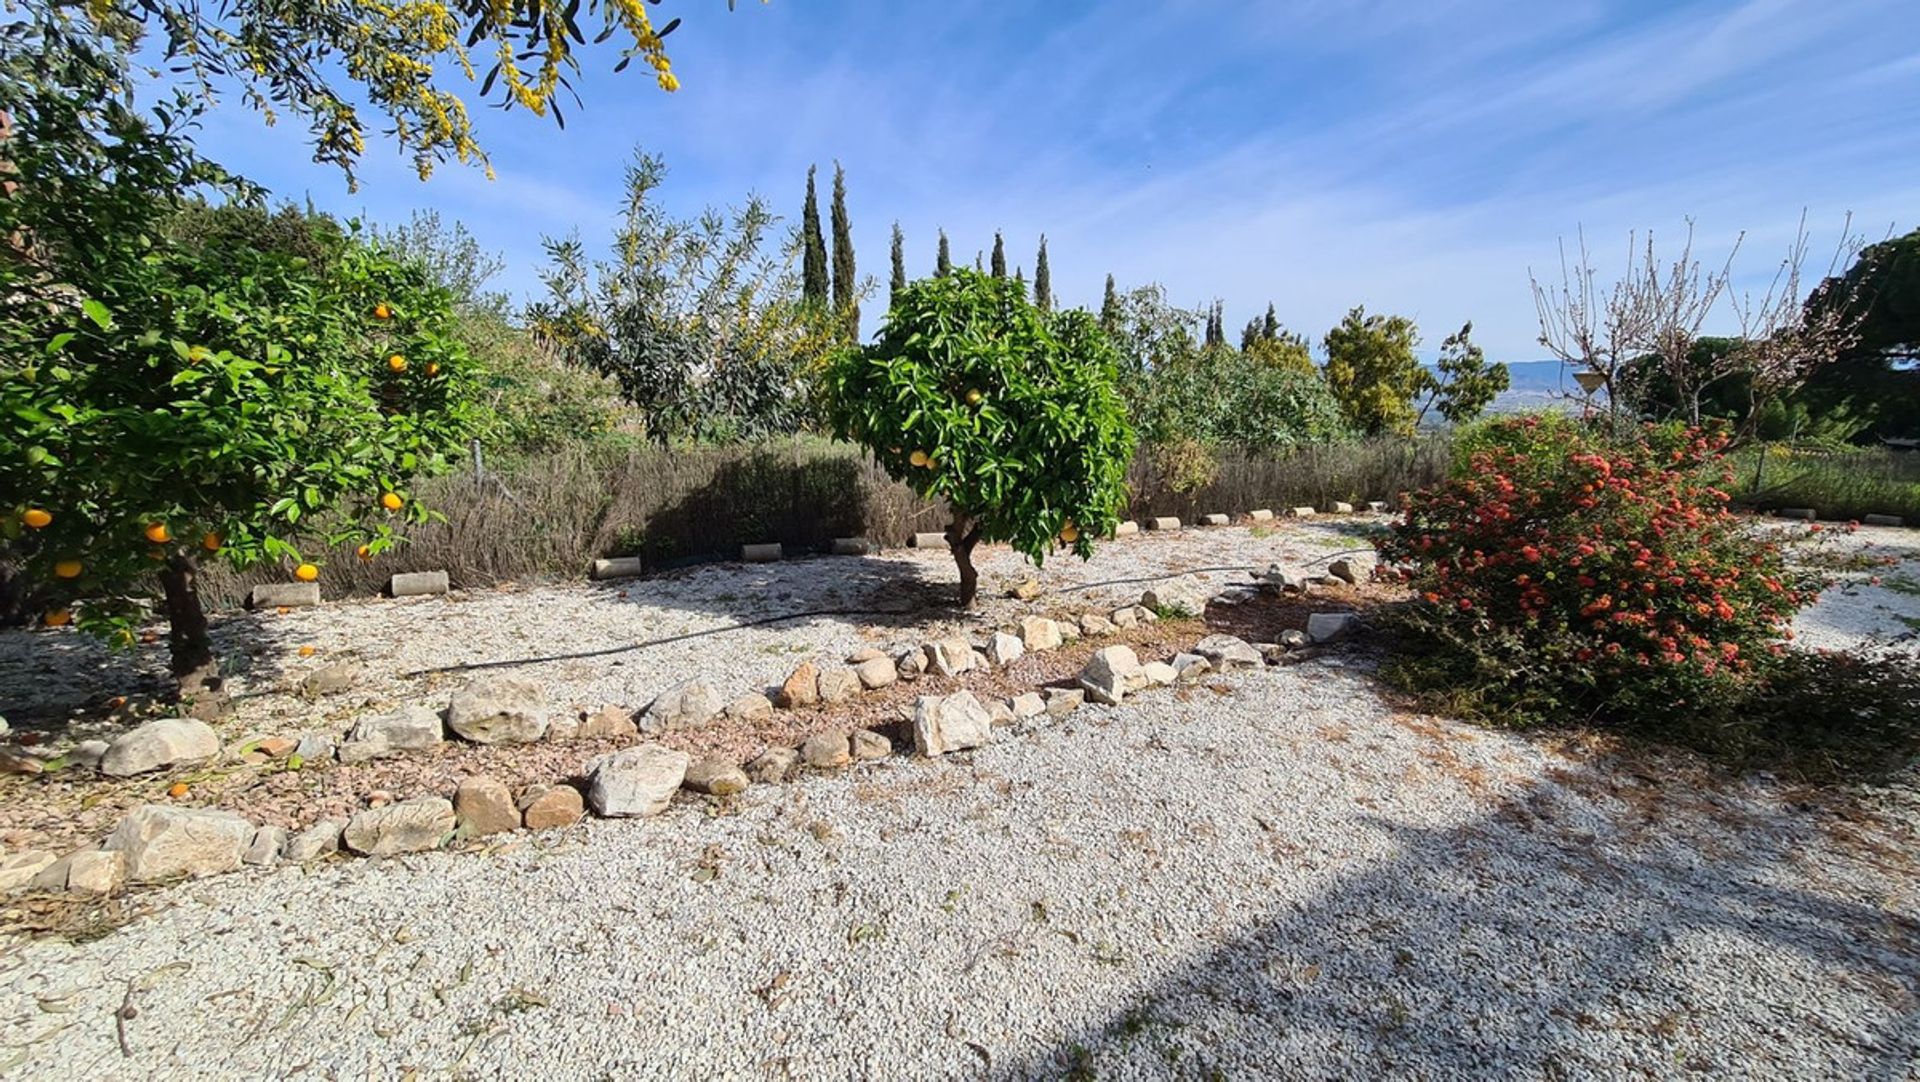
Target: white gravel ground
(1281, 879)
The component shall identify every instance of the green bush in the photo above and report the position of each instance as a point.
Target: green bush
(1221, 396)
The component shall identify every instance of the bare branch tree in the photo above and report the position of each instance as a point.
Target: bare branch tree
(1785, 339)
(1672, 309)
(1582, 329)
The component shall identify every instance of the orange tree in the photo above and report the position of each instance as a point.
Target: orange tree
(1009, 414)
(171, 396)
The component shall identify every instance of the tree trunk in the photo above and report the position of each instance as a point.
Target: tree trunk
(192, 647)
(962, 535)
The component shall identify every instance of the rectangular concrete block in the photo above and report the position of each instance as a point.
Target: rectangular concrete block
(617, 567)
(1301, 512)
(1883, 520)
(1261, 515)
(1805, 513)
(1341, 507)
(760, 554)
(417, 584)
(284, 595)
(1126, 529)
(1215, 520)
(929, 541)
(852, 546)
(1165, 522)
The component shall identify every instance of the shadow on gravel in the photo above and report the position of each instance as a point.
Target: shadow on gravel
(1513, 947)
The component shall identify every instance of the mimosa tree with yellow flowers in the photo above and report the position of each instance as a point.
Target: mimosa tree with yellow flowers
(179, 387)
(1009, 414)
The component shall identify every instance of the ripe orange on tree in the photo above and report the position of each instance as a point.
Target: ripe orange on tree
(391, 501)
(397, 363)
(306, 573)
(381, 311)
(57, 618)
(158, 533)
(212, 541)
(68, 569)
(36, 518)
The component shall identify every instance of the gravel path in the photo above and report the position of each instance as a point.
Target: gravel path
(1273, 871)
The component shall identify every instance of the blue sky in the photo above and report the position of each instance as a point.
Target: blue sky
(1415, 156)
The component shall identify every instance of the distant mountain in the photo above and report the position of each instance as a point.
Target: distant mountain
(1538, 385)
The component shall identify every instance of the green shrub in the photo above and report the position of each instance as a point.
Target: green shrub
(1226, 398)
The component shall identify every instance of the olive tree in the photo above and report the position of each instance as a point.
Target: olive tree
(1011, 415)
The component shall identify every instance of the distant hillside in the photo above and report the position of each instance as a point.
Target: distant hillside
(1538, 385)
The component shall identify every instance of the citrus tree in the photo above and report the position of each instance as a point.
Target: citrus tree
(174, 395)
(1010, 415)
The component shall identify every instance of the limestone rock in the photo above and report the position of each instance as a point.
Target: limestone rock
(1145, 615)
(264, 851)
(1005, 649)
(1184, 596)
(838, 684)
(950, 656)
(411, 826)
(802, 688)
(1110, 673)
(829, 750)
(1227, 652)
(548, 807)
(910, 664)
(1064, 701)
(498, 710)
(18, 870)
(314, 749)
(164, 843)
(1026, 590)
(637, 781)
(1293, 638)
(999, 711)
(96, 871)
(564, 728)
(316, 841)
(158, 745)
(483, 805)
(88, 754)
(1093, 624)
(868, 744)
(1029, 704)
(1039, 633)
(716, 777)
(950, 723)
(750, 707)
(876, 673)
(684, 706)
(1191, 666)
(864, 654)
(1069, 630)
(1124, 618)
(607, 723)
(772, 766)
(411, 728)
(1159, 673)
(1343, 570)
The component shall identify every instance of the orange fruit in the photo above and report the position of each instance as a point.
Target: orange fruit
(68, 569)
(57, 618)
(1070, 533)
(116, 702)
(212, 542)
(974, 398)
(397, 363)
(36, 518)
(381, 311)
(363, 552)
(306, 572)
(433, 368)
(306, 651)
(391, 501)
(158, 533)
(919, 458)
(178, 790)
(282, 611)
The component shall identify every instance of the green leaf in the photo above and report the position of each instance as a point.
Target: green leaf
(97, 312)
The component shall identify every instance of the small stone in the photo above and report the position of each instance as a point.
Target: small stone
(1026, 590)
(18, 870)
(411, 728)
(950, 723)
(483, 806)
(1124, 618)
(1279, 580)
(801, 688)
(96, 871)
(980, 661)
(1110, 673)
(1064, 701)
(264, 851)
(563, 728)
(1183, 596)
(1343, 570)
(686, 705)
(1271, 652)
(1191, 666)
(1028, 704)
(716, 777)
(838, 684)
(1331, 626)
(1069, 630)
(1004, 649)
(910, 664)
(158, 745)
(1227, 652)
(411, 826)
(1093, 624)
(638, 781)
(549, 807)
(772, 766)
(276, 747)
(331, 680)
(750, 707)
(1293, 638)
(1145, 615)
(316, 841)
(876, 673)
(999, 711)
(165, 843)
(88, 754)
(1159, 673)
(607, 723)
(868, 744)
(950, 656)
(1039, 633)
(498, 710)
(13, 762)
(828, 750)
(864, 654)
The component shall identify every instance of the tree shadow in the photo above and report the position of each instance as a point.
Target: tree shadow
(1531, 943)
(801, 503)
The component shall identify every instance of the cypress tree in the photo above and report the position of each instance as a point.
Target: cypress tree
(1020, 277)
(813, 250)
(846, 299)
(943, 263)
(1110, 308)
(999, 255)
(1042, 279)
(1249, 335)
(899, 261)
(1270, 327)
(980, 261)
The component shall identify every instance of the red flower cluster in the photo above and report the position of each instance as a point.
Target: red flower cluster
(1618, 558)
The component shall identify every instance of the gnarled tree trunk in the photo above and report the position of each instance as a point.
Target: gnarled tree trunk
(962, 535)
(192, 647)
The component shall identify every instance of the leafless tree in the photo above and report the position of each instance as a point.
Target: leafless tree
(1673, 303)
(1586, 330)
(1784, 339)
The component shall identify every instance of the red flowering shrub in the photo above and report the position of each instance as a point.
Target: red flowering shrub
(1571, 577)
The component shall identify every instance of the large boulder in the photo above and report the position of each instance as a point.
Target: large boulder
(683, 706)
(411, 826)
(498, 710)
(158, 745)
(1039, 633)
(950, 723)
(410, 728)
(950, 656)
(166, 843)
(635, 781)
(1184, 595)
(1110, 673)
(1227, 652)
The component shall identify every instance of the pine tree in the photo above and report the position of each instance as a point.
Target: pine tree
(1270, 327)
(943, 263)
(999, 255)
(813, 250)
(1042, 279)
(1110, 308)
(1249, 335)
(846, 292)
(899, 262)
